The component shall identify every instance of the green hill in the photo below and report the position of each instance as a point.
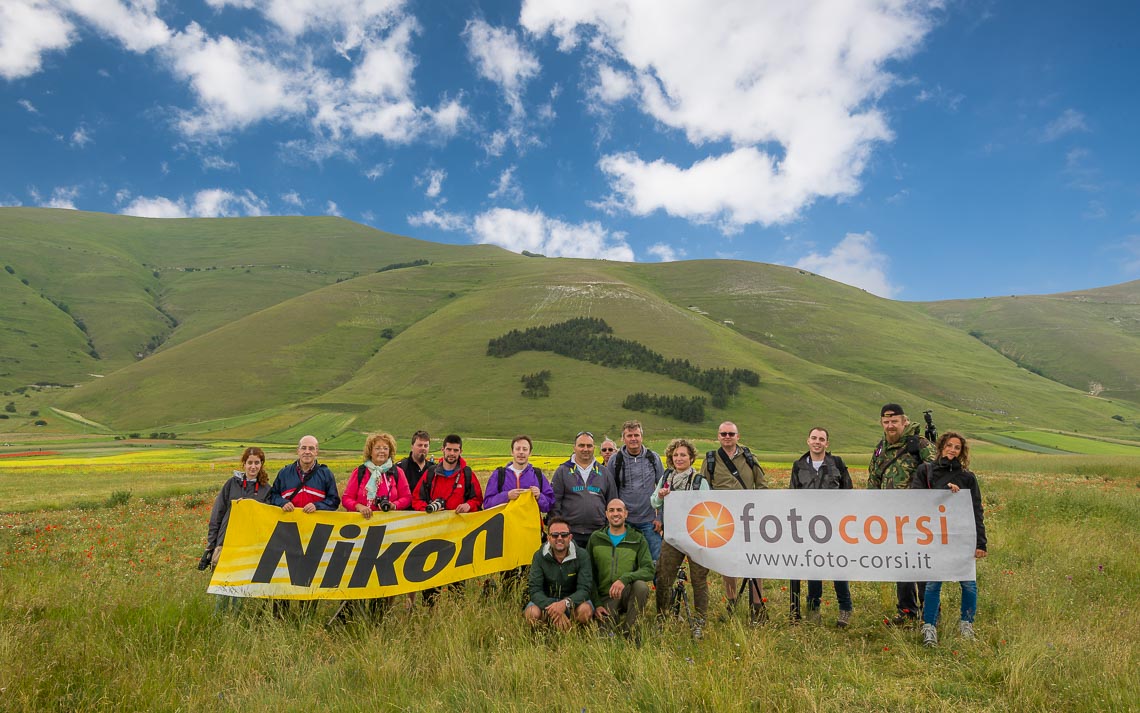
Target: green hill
(271, 327)
(1089, 340)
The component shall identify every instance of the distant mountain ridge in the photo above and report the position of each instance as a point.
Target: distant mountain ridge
(270, 327)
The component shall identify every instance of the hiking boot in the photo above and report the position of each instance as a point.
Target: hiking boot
(966, 629)
(758, 614)
(844, 619)
(929, 636)
(814, 616)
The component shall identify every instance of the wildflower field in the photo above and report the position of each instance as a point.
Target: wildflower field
(103, 609)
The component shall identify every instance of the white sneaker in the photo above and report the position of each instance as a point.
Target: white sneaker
(966, 629)
(929, 635)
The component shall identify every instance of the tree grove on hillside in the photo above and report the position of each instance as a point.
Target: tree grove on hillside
(690, 409)
(591, 339)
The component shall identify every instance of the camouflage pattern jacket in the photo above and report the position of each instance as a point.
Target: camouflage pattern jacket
(888, 471)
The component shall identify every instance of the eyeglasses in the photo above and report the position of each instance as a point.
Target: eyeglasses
(558, 535)
(608, 450)
(728, 433)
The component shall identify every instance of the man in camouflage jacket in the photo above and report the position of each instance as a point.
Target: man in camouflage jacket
(898, 455)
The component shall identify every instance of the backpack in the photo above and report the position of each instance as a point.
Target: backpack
(619, 466)
(501, 475)
(750, 459)
(429, 477)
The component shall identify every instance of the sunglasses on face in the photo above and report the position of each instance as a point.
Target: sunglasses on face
(608, 450)
(559, 535)
(727, 433)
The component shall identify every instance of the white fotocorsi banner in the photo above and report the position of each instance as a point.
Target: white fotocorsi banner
(853, 535)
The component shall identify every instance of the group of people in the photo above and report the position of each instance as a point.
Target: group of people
(604, 543)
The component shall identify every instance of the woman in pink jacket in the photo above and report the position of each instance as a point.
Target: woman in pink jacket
(378, 484)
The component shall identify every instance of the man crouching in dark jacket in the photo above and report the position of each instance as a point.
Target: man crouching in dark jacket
(560, 581)
(819, 470)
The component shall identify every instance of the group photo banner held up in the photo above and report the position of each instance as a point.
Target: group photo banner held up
(854, 535)
(340, 555)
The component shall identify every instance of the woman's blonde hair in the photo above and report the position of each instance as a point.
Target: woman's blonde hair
(373, 438)
(679, 443)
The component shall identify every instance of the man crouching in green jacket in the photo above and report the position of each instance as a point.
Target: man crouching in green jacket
(561, 581)
(623, 569)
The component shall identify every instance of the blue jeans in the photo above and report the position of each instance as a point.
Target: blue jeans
(933, 599)
(646, 528)
(815, 594)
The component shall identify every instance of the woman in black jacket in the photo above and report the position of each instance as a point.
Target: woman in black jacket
(950, 472)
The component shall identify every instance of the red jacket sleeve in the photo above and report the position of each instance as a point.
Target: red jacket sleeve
(418, 502)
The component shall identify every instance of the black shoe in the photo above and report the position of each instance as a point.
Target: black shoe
(903, 620)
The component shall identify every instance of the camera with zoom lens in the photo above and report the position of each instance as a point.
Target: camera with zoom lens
(205, 561)
(384, 503)
(435, 505)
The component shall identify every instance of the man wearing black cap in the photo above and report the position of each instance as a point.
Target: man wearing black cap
(898, 455)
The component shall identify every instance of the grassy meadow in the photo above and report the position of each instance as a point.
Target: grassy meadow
(104, 610)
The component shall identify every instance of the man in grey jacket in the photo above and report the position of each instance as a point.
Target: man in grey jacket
(581, 490)
(635, 470)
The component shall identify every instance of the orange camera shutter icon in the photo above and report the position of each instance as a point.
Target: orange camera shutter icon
(710, 524)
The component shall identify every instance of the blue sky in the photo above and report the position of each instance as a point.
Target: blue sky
(919, 150)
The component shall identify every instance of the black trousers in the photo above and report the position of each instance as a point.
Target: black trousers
(910, 598)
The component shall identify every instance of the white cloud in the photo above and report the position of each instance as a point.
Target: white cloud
(790, 86)
(331, 208)
(533, 231)
(853, 261)
(217, 163)
(442, 220)
(236, 84)
(81, 137)
(612, 86)
(500, 57)
(496, 144)
(353, 18)
(219, 203)
(28, 29)
(941, 97)
(292, 198)
(377, 171)
(134, 24)
(507, 187)
(1070, 121)
(666, 253)
(164, 168)
(122, 196)
(208, 203)
(28, 106)
(433, 179)
(61, 197)
(157, 207)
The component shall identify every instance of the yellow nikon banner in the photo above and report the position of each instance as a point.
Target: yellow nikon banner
(340, 555)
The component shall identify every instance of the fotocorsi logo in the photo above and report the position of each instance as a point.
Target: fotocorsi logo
(710, 524)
